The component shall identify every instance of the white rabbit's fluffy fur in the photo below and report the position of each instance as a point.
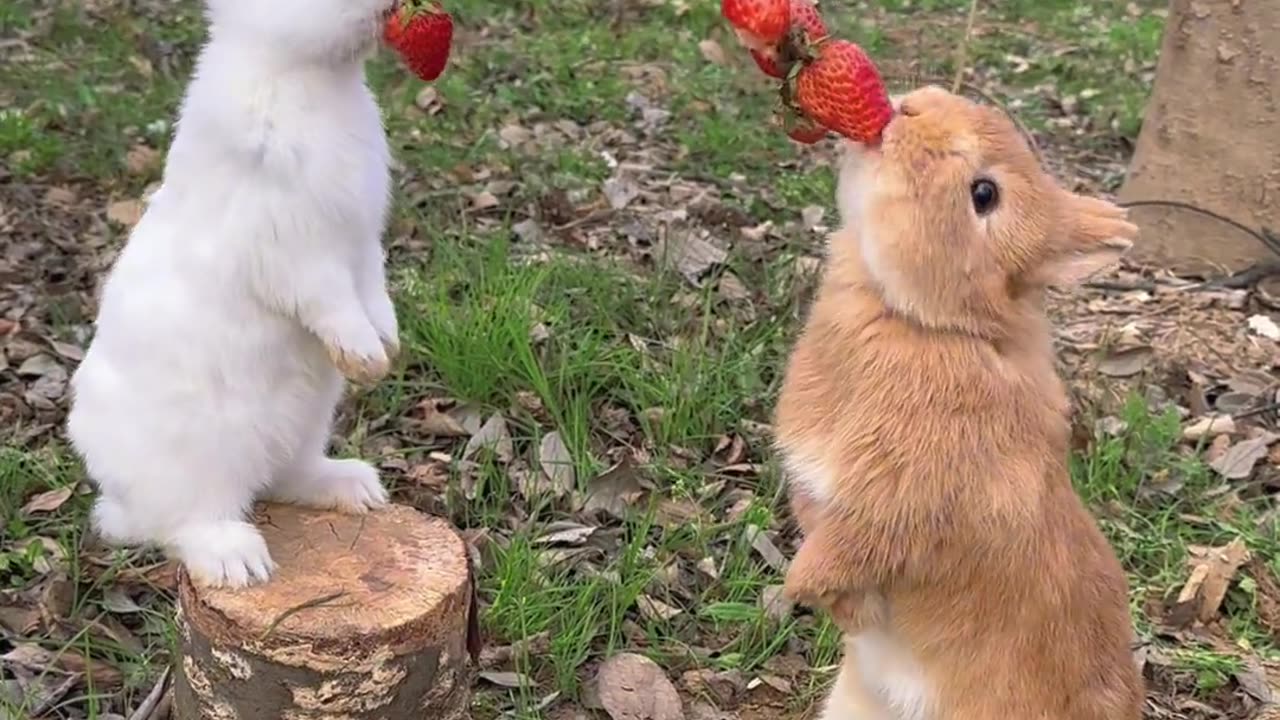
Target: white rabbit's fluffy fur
(252, 284)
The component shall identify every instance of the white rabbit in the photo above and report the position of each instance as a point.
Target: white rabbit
(253, 283)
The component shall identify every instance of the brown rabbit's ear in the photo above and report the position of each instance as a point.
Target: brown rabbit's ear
(1097, 236)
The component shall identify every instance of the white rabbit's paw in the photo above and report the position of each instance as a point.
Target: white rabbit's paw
(224, 554)
(351, 486)
(382, 313)
(360, 367)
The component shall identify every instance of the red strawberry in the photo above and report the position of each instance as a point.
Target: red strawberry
(806, 27)
(767, 61)
(804, 15)
(842, 90)
(806, 131)
(759, 23)
(422, 34)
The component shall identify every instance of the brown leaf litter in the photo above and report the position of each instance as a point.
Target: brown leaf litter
(1212, 572)
(633, 687)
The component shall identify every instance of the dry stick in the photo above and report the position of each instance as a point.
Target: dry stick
(962, 53)
(149, 704)
(312, 603)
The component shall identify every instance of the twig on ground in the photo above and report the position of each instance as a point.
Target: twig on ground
(1146, 285)
(312, 603)
(1269, 407)
(152, 700)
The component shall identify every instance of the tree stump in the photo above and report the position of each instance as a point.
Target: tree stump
(1211, 136)
(365, 617)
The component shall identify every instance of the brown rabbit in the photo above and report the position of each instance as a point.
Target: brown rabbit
(925, 436)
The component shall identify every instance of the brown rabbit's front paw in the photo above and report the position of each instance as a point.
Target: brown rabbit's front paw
(358, 368)
(805, 595)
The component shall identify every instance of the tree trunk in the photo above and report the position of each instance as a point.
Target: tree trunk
(365, 617)
(1211, 136)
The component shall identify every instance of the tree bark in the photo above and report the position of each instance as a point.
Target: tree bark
(1211, 136)
(365, 617)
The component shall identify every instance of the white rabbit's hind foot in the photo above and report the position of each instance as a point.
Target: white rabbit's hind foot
(114, 524)
(223, 554)
(347, 485)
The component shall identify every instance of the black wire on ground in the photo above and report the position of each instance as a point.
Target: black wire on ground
(1264, 236)
(1238, 280)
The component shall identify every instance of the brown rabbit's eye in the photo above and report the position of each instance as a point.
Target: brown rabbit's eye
(985, 196)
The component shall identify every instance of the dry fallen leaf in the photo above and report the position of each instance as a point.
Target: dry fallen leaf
(513, 135)
(722, 686)
(118, 601)
(731, 288)
(1212, 572)
(807, 266)
(125, 212)
(71, 352)
(38, 366)
(763, 545)
(780, 684)
(1266, 327)
(1217, 448)
(428, 99)
(614, 491)
(431, 475)
(19, 620)
(484, 200)
(35, 694)
(1209, 425)
(707, 566)
(39, 659)
(712, 52)
(493, 436)
(812, 216)
(620, 191)
(1126, 362)
(775, 603)
(565, 533)
(506, 679)
(1252, 678)
(556, 463)
(438, 423)
(58, 195)
(1231, 403)
(680, 512)
(48, 501)
(50, 554)
(633, 687)
(141, 159)
(653, 609)
(1252, 382)
(1238, 461)
(690, 255)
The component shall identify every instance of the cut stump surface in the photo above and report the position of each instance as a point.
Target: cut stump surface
(364, 617)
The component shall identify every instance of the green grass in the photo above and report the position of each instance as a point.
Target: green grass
(595, 344)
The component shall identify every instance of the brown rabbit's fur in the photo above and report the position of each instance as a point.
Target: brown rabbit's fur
(926, 433)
